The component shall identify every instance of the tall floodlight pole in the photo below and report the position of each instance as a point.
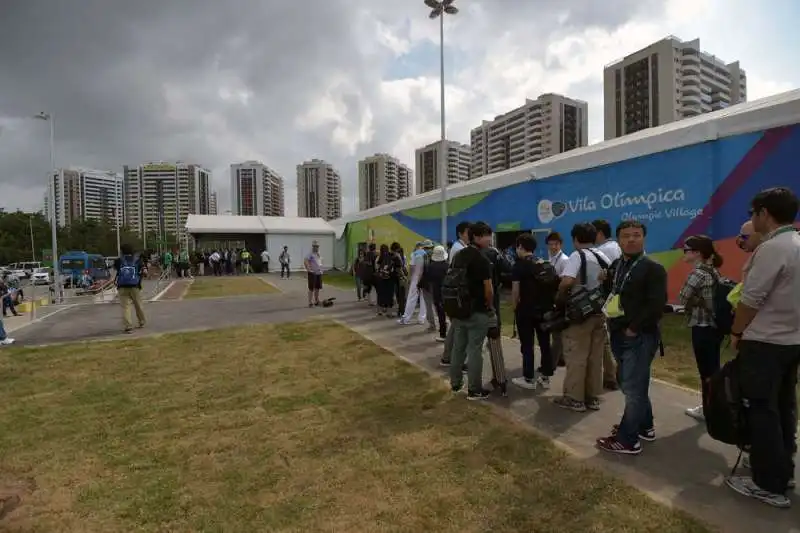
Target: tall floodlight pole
(440, 8)
(118, 188)
(51, 119)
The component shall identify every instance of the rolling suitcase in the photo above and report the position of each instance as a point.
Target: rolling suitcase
(494, 343)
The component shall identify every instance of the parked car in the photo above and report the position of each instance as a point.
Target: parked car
(41, 276)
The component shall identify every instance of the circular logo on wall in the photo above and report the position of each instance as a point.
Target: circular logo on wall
(545, 211)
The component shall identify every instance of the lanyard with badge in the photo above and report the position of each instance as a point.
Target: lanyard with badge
(613, 308)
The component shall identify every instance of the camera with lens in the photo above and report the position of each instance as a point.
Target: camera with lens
(554, 321)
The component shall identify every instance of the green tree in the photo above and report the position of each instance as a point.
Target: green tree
(99, 237)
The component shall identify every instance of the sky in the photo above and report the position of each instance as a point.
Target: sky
(281, 81)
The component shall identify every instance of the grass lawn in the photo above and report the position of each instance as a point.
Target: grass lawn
(214, 431)
(214, 286)
(343, 280)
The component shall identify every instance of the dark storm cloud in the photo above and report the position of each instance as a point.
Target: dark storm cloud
(135, 80)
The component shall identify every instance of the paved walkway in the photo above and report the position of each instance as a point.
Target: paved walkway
(683, 467)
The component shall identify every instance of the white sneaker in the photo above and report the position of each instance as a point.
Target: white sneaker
(696, 413)
(746, 460)
(523, 383)
(403, 322)
(7, 341)
(543, 382)
(441, 339)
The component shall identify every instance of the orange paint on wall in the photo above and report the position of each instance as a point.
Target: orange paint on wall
(733, 262)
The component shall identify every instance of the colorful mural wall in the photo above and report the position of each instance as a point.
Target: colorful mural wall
(704, 188)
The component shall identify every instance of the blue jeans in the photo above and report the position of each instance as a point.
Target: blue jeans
(3, 334)
(634, 356)
(468, 337)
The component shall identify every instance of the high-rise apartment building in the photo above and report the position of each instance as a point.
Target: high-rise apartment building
(319, 190)
(256, 190)
(548, 125)
(82, 194)
(160, 195)
(212, 204)
(667, 81)
(428, 162)
(382, 179)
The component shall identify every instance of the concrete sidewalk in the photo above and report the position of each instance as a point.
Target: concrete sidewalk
(683, 468)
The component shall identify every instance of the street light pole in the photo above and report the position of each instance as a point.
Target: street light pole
(118, 213)
(438, 10)
(51, 119)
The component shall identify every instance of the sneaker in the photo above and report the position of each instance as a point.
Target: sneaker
(565, 402)
(593, 404)
(403, 322)
(441, 339)
(791, 484)
(746, 461)
(444, 363)
(524, 383)
(128, 331)
(8, 341)
(648, 435)
(611, 444)
(455, 389)
(502, 388)
(745, 486)
(422, 322)
(478, 394)
(696, 413)
(543, 382)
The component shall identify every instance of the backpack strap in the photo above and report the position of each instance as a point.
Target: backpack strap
(582, 272)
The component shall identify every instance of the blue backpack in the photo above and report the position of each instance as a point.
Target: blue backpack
(128, 275)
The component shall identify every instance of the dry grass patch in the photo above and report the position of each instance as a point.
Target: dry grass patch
(215, 287)
(290, 428)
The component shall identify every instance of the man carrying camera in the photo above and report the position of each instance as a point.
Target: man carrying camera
(634, 310)
(585, 336)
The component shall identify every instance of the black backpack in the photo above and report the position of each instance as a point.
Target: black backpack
(546, 282)
(721, 309)
(724, 407)
(456, 297)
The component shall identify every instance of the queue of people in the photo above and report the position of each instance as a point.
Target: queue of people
(597, 312)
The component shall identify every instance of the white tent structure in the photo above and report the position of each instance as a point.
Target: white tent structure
(297, 234)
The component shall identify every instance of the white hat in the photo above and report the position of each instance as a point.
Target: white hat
(439, 253)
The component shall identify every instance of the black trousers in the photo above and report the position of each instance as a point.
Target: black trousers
(529, 329)
(769, 383)
(400, 295)
(706, 345)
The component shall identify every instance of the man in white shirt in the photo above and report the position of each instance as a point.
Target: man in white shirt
(583, 343)
(604, 242)
(265, 261)
(462, 230)
(558, 259)
(766, 334)
(556, 255)
(414, 294)
(611, 249)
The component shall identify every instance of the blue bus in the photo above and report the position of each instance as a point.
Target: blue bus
(75, 266)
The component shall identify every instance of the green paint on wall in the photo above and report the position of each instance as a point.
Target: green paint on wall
(454, 207)
(668, 258)
(380, 230)
(508, 226)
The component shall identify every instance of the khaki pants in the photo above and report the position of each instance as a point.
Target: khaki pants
(131, 296)
(583, 354)
(609, 365)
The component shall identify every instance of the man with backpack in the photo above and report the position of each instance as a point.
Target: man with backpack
(468, 299)
(534, 284)
(462, 231)
(129, 286)
(585, 337)
(766, 334)
(633, 312)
